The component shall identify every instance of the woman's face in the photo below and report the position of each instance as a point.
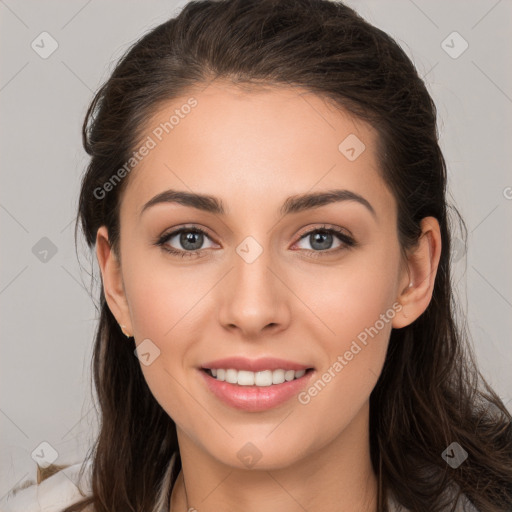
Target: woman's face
(264, 281)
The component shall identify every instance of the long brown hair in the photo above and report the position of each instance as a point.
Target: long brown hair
(430, 392)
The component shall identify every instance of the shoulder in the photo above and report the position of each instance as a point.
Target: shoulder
(51, 493)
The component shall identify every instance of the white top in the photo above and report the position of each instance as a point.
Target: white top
(51, 495)
(61, 490)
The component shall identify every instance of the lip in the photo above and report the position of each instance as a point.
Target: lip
(256, 398)
(254, 365)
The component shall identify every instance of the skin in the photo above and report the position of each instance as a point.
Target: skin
(253, 149)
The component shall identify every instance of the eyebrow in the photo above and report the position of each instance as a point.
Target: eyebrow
(293, 204)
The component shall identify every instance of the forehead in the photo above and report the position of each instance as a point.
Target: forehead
(264, 142)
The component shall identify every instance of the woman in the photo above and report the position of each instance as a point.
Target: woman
(266, 197)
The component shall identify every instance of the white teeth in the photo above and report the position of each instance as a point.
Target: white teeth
(263, 378)
(278, 376)
(231, 376)
(245, 378)
(289, 375)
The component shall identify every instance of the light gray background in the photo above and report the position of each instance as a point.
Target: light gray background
(47, 316)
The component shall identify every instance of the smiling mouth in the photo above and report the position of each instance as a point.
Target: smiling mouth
(263, 378)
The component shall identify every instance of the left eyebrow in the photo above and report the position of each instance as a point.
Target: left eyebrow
(299, 203)
(293, 204)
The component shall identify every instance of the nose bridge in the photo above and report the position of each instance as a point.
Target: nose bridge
(252, 262)
(253, 297)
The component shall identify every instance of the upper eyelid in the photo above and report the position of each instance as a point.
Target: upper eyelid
(327, 227)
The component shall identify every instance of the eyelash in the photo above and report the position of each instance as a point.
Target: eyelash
(346, 240)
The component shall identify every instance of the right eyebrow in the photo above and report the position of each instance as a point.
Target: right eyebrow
(203, 202)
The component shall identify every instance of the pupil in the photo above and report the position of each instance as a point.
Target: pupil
(192, 237)
(324, 239)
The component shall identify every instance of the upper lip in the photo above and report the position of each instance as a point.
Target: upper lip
(254, 365)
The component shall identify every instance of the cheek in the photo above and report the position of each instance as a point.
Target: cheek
(162, 296)
(343, 385)
(159, 318)
(167, 314)
(354, 305)
(350, 297)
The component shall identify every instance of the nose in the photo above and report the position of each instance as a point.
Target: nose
(255, 299)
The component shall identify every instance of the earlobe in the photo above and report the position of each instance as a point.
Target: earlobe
(422, 264)
(112, 280)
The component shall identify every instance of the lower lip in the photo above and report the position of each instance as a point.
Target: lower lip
(255, 398)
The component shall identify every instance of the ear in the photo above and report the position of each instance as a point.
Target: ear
(417, 282)
(113, 281)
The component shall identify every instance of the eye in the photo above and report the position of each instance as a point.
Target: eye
(322, 239)
(189, 241)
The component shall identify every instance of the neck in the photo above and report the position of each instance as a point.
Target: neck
(337, 477)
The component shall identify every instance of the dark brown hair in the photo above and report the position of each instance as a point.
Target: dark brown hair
(430, 392)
